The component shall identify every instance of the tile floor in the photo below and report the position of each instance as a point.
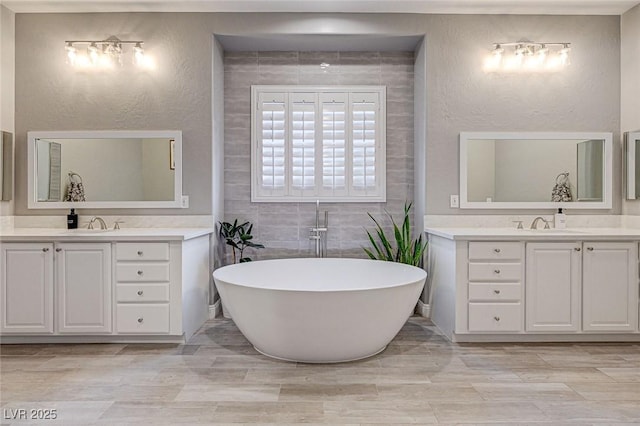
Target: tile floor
(421, 378)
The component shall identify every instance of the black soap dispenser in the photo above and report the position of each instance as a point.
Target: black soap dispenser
(72, 220)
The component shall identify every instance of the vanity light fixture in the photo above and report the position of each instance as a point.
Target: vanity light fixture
(104, 53)
(525, 56)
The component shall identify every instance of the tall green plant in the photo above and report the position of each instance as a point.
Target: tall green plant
(239, 237)
(407, 250)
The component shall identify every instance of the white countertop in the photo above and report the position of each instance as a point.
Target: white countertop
(512, 234)
(83, 234)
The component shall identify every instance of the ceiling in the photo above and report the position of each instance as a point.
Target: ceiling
(544, 7)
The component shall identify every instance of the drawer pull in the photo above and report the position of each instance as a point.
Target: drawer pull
(140, 273)
(140, 320)
(140, 252)
(58, 250)
(496, 318)
(45, 249)
(496, 291)
(590, 248)
(496, 271)
(140, 292)
(577, 249)
(497, 250)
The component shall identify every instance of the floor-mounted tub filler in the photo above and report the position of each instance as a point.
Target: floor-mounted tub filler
(320, 310)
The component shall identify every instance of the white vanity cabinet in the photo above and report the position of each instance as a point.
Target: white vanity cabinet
(126, 286)
(26, 288)
(521, 285)
(71, 281)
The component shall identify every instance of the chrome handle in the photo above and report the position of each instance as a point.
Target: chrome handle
(140, 252)
(496, 271)
(496, 318)
(140, 292)
(140, 320)
(140, 273)
(45, 249)
(577, 249)
(497, 250)
(590, 248)
(58, 250)
(496, 291)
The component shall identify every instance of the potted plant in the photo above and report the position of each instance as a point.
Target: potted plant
(239, 237)
(407, 249)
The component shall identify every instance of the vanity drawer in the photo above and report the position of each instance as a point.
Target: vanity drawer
(494, 292)
(143, 293)
(142, 251)
(142, 272)
(142, 319)
(495, 251)
(495, 272)
(495, 317)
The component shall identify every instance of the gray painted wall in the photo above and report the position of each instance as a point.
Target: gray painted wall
(460, 96)
(630, 69)
(284, 227)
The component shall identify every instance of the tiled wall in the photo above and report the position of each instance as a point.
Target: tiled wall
(284, 227)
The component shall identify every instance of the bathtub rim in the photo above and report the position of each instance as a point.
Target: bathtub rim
(423, 278)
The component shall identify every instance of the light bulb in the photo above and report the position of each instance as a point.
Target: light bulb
(564, 55)
(94, 53)
(71, 53)
(138, 55)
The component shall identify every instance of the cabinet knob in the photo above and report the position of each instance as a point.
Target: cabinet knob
(590, 248)
(496, 291)
(497, 250)
(140, 252)
(496, 318)
(45, 249)
(496, 271)
(140, 320)
(577, 249)
(140, 273)
(58, 250)
(140, 292)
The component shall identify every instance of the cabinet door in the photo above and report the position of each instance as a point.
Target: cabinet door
(26, 288)
(610, 287)
(552, 287)
(83, 287)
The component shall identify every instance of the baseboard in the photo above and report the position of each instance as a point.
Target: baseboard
(423, 309)
(215, 310)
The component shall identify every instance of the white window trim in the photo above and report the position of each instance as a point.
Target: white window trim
(379, 196)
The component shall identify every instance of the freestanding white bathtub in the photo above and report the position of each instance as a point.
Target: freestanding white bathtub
(319, 310)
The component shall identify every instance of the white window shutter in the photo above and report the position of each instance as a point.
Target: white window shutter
(325, 143)
(364, 143)
(302, 110)
(271, 144)
(335, 172)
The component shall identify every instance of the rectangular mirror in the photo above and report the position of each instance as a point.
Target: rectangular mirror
(105, 169)
(632, 144)
(6, 166)
(527, 170)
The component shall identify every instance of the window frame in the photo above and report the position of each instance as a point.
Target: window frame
(291, 194)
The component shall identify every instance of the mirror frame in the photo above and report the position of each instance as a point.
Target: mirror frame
(606, 203)
(630, 150)
(32, 136)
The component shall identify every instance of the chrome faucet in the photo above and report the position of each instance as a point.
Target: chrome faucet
(318, 234)
(534, 224)
(98, 219)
